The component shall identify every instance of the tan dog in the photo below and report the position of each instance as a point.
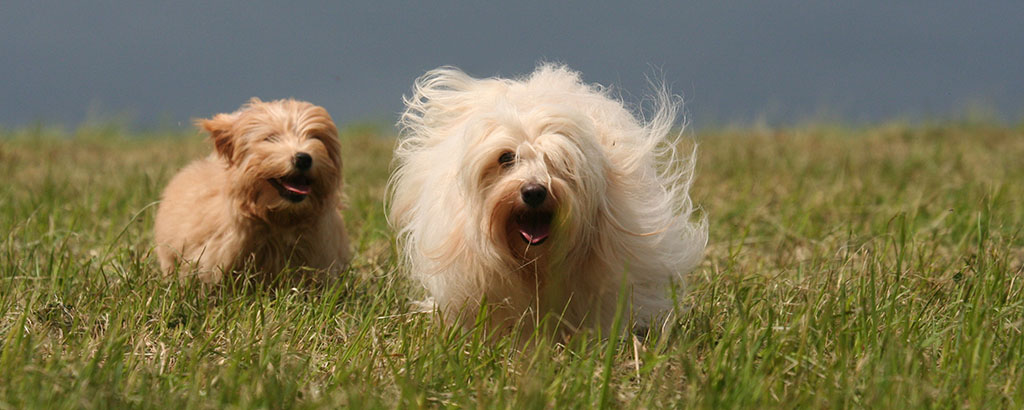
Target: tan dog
(266, 199)
(542, 195)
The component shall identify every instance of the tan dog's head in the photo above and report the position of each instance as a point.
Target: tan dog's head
(283, 157)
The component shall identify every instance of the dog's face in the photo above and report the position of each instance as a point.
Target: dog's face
(538, 179)
(283, 157)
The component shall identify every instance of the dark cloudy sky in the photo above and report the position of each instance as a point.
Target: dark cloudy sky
(782, 61)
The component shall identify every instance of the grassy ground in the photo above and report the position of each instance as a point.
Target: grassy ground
(877, 267)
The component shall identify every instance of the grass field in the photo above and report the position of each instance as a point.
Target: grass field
(874, 267)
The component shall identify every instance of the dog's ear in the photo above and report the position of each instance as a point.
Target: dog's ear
(328, 132)
(219, 128)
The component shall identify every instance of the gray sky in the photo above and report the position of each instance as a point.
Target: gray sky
(783, 61)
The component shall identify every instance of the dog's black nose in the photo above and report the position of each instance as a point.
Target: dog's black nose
(534, 194)
(302, 161)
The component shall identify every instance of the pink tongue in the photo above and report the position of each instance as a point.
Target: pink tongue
(534, 234)
(298, 189)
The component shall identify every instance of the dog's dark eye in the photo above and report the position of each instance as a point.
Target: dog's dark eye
(506, 159)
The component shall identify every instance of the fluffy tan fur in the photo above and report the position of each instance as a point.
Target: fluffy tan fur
(257, 202)
(542, 195)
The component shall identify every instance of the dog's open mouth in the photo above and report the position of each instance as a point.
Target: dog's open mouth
(534, 226)
(294, 188)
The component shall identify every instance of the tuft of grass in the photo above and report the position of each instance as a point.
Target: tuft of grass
(872, 267)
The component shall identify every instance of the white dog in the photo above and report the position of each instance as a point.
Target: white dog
(539, 196)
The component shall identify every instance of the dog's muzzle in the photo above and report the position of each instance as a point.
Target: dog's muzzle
(534, 223)
(294, 188)
(534, 226)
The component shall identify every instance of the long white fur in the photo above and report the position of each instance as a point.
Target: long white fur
(621, 188)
